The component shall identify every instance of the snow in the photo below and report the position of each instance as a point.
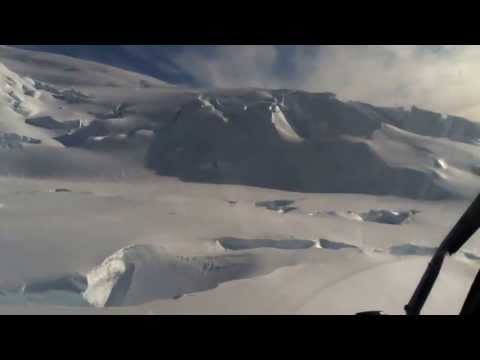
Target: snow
(103, 279)
(332, 245)
(440, 163)
(244, 244)
(282, 125)
(205, 103)
(252, 201)
(12, 141)
(393, 217)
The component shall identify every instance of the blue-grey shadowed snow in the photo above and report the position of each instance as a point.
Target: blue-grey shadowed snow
(335, 245)
(76, 283)
(48, 122)
(231, 243)
(390, 217)
(54, 297)
(307, 67)
(161, 61)
(471, 256)
(411, 249)
(15, 141)
(64, 290)
(277, 205)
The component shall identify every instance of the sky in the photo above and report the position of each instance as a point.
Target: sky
(442, 78)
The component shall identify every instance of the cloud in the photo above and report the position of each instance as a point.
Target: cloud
(441, 78)
(231, 66)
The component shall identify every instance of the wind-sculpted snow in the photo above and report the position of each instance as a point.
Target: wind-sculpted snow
(139, 274)
(253, 153)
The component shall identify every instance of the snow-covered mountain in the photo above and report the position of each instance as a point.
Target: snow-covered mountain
(350, 171)
(289, 140)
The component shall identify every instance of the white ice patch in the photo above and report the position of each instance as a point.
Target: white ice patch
(18, 93)
(139, 274)
(440, 163)
(96, 138)
(205, 103)
(102, 279)
(282, 126)
(391, 217)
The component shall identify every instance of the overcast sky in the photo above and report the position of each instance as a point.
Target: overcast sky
(441, 78)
